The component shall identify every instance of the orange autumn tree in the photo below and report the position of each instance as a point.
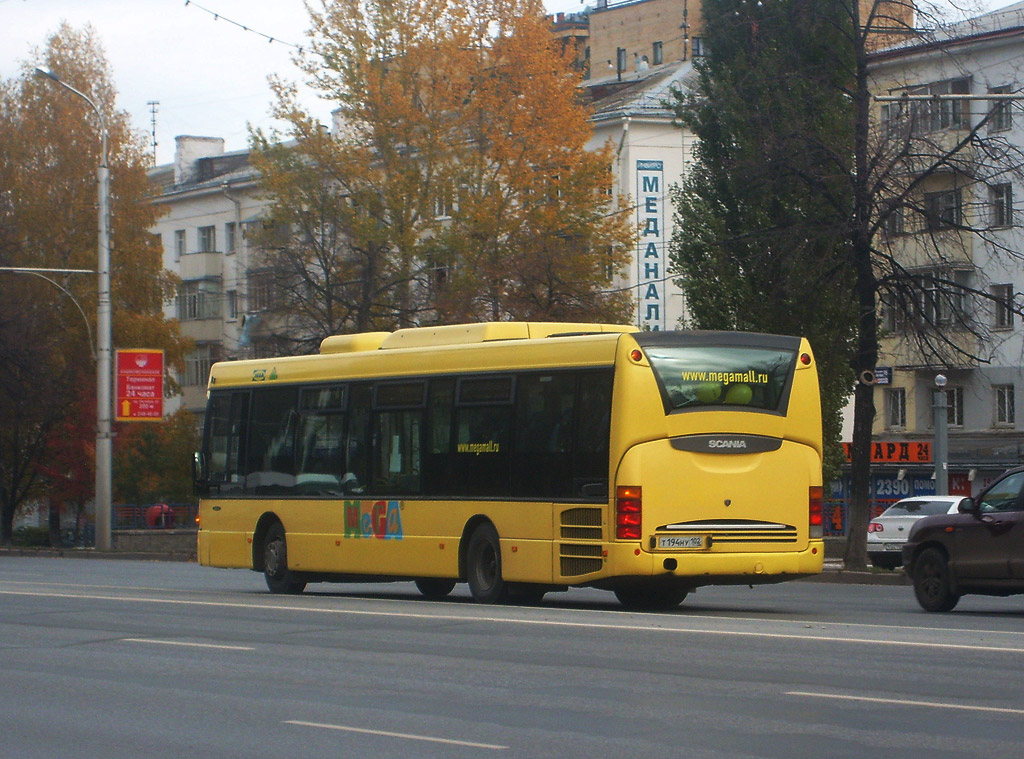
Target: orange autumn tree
(49, 153)
(456, 184)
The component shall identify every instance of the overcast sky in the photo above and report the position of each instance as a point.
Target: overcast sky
(208, 74)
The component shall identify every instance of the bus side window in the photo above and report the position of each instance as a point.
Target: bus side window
(357, 437)
(542, 463)
(226, 430)
(272, 430)
(321, 454)
(397, 470)
(438, 471)
(483, 425)
(593, 428)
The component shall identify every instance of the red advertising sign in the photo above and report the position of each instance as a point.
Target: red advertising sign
(897, 452)
(140, 386)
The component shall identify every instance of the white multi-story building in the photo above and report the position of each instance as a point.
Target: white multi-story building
(211, 200)
(980, 57)
(650, 155)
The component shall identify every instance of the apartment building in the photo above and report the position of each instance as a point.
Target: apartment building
(212, 203)
(963, 229)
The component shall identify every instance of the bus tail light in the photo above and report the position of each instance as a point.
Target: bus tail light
(628, 512)
(815, 510)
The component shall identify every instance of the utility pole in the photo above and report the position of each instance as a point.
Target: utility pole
(104, 404)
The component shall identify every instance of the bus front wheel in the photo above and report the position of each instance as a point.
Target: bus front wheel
(483, 566)
(279, 578)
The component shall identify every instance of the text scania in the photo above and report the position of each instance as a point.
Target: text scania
(727, 444)
(726, 378)
(373, 519)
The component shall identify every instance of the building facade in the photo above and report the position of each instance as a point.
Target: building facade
(959, 238)
(212, 203)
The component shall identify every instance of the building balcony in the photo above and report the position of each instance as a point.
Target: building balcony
(203, 265)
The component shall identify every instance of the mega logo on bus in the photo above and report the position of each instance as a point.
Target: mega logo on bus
(373, 519)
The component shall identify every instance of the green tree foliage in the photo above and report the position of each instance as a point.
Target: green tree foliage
(153, 460)
(49, 153)
(757, 244)
(457, 185)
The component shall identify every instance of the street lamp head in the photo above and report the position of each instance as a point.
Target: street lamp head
(940, 381)
(47, 74)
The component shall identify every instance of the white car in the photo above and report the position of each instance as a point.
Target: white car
(888, 531)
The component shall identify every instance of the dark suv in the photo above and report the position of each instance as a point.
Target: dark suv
(979, 549)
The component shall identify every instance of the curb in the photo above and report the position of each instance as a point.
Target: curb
(853, 577)
(92, 553)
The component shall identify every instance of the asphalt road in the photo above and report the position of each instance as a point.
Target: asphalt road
(104, 659)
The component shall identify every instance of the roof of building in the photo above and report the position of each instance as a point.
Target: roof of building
(640, 93)
(988, 25)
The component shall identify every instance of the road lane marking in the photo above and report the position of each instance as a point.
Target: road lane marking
(810, 623)
(907, 702)
(185, 643)
(388, 734)
(659, 623)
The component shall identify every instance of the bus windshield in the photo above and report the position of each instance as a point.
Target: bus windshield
(700, 376)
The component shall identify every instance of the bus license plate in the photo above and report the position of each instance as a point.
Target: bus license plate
(680, 541)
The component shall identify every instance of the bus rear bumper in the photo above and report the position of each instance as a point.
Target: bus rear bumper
(626, 562)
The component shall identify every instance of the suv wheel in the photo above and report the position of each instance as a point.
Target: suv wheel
(932, 584)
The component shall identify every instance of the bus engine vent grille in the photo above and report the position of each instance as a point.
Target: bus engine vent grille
(582, 524)
(579, 559)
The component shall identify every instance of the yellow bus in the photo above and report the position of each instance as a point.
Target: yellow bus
(520, 458)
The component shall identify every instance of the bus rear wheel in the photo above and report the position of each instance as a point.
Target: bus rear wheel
(279, 578)
(435, 587)
(483, 566)
(653, 597)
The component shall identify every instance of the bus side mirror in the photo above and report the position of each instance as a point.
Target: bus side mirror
(199, 471)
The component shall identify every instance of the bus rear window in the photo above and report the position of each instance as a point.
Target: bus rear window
(706, 376)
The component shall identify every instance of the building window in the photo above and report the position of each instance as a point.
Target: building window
(894, 313)
(207, 239)
(657, 54)
(179, 243)
(1002, 302)
(230, 237)
(937, 114)
(1000, 117)
(931, 310)
(943, 210)
(1005, 414)
(896, 408)
(444, 202)
(893, 223)
(955, 406)
(198, 299)
(1000, 201)
(197, 367)
(261, 290)
(231, 304)
(697, 47)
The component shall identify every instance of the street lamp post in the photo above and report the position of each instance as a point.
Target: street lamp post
(941, 436)
(104, 405)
